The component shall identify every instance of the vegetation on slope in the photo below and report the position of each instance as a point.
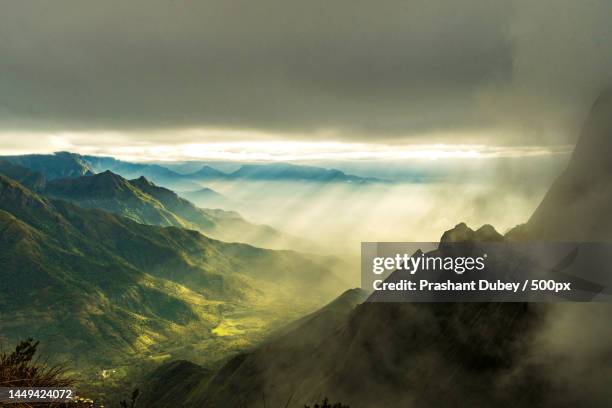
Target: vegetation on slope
(100, 288)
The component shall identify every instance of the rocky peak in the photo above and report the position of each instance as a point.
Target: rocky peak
(462, 233)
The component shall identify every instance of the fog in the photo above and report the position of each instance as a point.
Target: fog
(418, 202)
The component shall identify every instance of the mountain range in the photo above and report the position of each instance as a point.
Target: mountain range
(250, 172)
(140, 200)
(84, 271)
(145, 202)
(459, 354)
(154, 172)
(98, 288)
(280, 172)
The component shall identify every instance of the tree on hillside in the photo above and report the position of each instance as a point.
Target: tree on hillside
(20, 368)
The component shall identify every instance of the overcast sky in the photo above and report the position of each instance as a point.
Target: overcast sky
(93, 75)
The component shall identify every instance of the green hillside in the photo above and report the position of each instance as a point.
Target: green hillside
(111, 192)
(99, 289)
(245, 377)
(381, 354)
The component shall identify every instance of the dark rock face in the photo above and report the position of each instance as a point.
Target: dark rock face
(577, 206)
(463, 233)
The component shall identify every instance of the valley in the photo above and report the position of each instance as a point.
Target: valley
(116, 283)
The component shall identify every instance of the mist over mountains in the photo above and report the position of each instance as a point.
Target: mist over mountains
(69, 177)
(148, 203)
(129, 256)
(472, 354)
(189, 192)
(110, 272)
(267, 172)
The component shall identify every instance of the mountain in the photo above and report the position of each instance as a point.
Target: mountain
(64, 164)
(284, 171)
(240, 380)
(101, 164)
(154, 172)
(383, 354)
(34, 180)
(145, 202)
(207, 198)
(279, 172)
(53, 166)
(175, 378)
(452, 354)
(111, 192)
(208, 172)
(99, 288)
(577, 205)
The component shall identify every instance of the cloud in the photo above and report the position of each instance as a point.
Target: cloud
(561, 62)
(359, 70)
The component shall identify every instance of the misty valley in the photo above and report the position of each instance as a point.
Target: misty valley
(305, 204)
(222, 286)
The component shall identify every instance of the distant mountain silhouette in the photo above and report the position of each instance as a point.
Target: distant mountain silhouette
(285, 171)
(207, 172)
(207, 197)
(64, 165)
(53, 166)
(154, 172)
(127, 169)
(280, 172)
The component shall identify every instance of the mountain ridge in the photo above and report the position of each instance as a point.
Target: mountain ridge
(160, 174)
(145, 202)
(280, 172)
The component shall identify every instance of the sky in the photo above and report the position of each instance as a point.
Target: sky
(285, 80)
